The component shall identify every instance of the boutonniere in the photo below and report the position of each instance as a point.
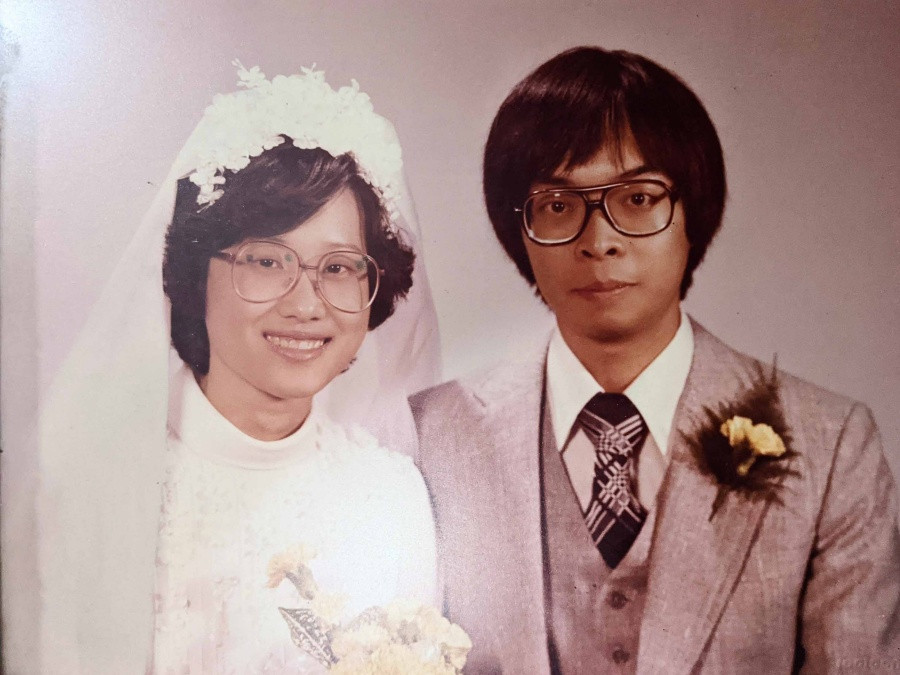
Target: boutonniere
(400, 637)
(745, 444)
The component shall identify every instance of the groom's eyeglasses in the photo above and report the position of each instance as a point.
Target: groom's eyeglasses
(636, 208)
(262, 271)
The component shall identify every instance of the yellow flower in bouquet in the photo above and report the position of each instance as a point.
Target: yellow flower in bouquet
(402, 637)
(361, 639)
(390, 659)
(287, 562)
(328, 606)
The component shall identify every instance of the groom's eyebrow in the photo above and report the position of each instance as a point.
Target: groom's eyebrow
(563, 180)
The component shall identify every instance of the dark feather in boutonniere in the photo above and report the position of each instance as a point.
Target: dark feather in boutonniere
(745, 444)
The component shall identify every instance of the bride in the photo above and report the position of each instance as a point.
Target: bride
(283, 236)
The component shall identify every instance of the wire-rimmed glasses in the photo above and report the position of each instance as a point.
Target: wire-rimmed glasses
(636, 208)
(262, 271)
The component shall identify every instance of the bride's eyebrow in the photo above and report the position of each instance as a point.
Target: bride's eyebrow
(333, 244)
(342, 245)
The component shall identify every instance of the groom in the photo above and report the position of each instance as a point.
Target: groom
(636, 496)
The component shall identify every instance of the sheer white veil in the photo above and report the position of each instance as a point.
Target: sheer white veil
(102, 437)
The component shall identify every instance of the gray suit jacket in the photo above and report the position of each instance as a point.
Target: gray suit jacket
(759, 588)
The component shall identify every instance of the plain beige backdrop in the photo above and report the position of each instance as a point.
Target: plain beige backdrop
(101, 94)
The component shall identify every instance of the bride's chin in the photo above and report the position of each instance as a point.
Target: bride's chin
(304, 381)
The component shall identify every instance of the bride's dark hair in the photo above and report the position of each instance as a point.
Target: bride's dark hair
(281, 187)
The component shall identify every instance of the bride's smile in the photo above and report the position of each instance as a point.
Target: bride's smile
(297, 348)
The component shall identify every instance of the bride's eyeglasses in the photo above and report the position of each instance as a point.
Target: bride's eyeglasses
(262, 271)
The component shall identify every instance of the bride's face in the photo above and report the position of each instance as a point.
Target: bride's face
(289, 348)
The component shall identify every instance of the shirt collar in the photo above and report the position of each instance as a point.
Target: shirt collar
(654, 392)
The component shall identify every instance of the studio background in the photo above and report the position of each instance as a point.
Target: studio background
(100, 95)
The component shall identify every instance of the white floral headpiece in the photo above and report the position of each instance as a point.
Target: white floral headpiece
(244, 123)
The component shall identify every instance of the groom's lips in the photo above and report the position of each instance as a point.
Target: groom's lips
(603, 288)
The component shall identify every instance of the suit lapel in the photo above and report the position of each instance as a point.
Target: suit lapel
(511, 427)
(695, 561)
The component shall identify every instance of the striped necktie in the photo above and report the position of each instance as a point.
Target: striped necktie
(614, 515)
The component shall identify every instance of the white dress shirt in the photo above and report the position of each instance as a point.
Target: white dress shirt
(654, 392)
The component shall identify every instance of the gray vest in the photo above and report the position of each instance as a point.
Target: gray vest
(593, 613)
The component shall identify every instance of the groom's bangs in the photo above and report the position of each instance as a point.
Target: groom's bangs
(566, 141)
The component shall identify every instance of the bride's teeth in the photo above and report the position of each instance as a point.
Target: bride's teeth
(291, 343)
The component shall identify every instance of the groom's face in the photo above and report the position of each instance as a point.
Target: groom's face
(606, 286)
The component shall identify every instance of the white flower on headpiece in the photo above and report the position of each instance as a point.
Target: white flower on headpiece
(248, 78)
(245, 123)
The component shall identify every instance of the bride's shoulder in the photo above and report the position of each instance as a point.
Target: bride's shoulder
(355, 449)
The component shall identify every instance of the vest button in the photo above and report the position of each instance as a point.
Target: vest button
(617, 600)
(620, 656)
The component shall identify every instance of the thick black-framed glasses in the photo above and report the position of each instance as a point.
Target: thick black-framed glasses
(262, 271)
(636, 208)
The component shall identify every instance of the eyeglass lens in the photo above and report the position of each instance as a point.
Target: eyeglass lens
(635, 208)
(265, 271)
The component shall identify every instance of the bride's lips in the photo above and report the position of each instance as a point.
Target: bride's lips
(297, 346)
(603, 288)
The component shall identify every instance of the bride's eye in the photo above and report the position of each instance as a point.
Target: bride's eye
(343, 266)
(334, 269)
(264, 263)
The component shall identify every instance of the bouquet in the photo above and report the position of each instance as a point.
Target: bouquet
(401, 638)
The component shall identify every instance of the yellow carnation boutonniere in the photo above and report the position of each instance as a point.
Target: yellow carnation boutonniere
(757, 440)
(744, 444)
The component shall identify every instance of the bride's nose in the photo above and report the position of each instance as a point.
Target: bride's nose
(303, 301)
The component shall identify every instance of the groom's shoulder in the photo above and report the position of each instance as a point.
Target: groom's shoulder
(483, 391)
(820, 420)
(722, 363)
(831, 434)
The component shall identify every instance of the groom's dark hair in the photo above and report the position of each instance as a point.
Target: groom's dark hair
(586, 99)
(278, 189)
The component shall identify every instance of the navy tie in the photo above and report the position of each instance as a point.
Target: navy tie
(614, 515)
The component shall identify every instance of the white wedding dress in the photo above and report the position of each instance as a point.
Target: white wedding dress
(231, 503)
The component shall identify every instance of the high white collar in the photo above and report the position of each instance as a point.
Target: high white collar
(202, 429)
(655, 391)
